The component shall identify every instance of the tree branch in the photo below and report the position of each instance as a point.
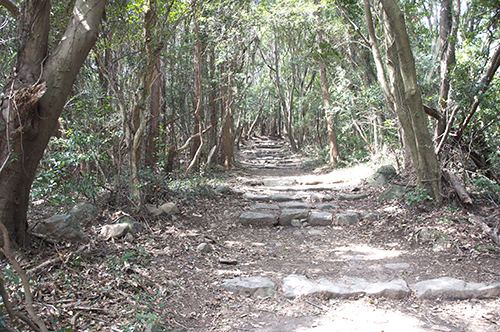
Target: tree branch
(495, 63)
(432, 112)
(11, 7)
(490, 232)
(27, 293)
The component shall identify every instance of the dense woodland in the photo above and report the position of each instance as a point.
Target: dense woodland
(169, 90)
(125, 100)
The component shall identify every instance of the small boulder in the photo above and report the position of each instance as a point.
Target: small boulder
(382, 176)
(203, 247)
(170, 208)
(82, 211)
(153, 210)
(113, 231)
(63, 227)
(393, 192)
(167, 208)
(224, 190)
(347, 218)
(135, 227)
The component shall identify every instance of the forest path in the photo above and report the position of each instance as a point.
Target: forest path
(368, 253)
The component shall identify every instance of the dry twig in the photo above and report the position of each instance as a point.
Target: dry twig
(27, 293)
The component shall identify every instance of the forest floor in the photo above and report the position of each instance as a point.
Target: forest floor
(162, 275)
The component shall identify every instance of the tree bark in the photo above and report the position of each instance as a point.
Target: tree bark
(330, 121)
(404, 95)
(154, 129)
(198, 120)
(226, 140)
(30, 126)
(213, 96)
(448, 28)
(424, 156)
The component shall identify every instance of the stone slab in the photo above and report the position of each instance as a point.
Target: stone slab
(279, 182)
(347, 218)
(287, 215)
(250, 182)
(326, 206)
(250, 286)
(320, 218)
(352, 197)
(272, 207)
(317, 197)
(295, 205)
(297, 285)
(256, 197)
(286, 198)
(447, 288)
(257, 218)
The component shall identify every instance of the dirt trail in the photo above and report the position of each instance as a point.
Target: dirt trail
(361, 251)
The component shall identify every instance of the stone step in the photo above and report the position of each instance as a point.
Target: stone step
(445, 288)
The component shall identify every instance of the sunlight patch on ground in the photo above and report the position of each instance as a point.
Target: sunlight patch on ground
(347, 176)
(363, 316)
(365, 252)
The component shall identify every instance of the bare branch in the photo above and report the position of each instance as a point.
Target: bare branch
(27, 292)
(11, 7)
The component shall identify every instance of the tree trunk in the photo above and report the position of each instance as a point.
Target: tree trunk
(154, 131)
(195, 143)
(31, 120)
(448, 28)
(213, 96)
(423, 154)
(330, 122)
(404, 94)
(226, 140)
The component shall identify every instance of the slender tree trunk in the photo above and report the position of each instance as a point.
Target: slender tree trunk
(227, 148)
(154, 131)
(290, 112)
(330, 122)
(448, 28)
(36, 98)
(213, 97)
(198, 110)
(277, 79)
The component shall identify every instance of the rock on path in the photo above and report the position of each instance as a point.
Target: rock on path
(297, 285)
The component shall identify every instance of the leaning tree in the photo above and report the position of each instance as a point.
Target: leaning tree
(34, 97)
